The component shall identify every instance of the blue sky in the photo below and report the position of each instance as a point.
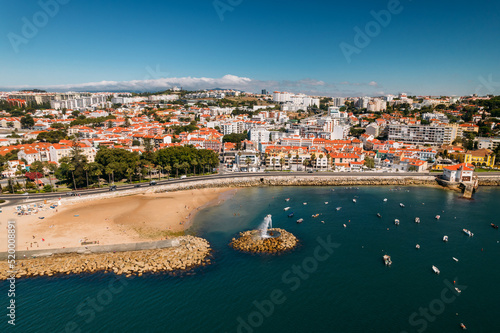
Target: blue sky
(428, 47)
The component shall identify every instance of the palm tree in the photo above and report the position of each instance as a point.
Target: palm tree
(167, 168)
(313, 159)
(306, 163)
(328, 158)
(86, 167)
(129, 172)
(98, 173)
(194, 163)
(71, 168)
(320, 156)
(297, 161)
(185, 166)
(159, 168)
(108, 171)
(274, 162)
(46, 170)
(248, 161)
(176, 167)
(282, 160)
(289, 161)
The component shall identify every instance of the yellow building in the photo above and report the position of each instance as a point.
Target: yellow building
(480, 157)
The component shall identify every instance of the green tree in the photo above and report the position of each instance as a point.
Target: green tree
(27, 121)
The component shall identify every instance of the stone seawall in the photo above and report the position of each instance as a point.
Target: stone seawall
(190, 252)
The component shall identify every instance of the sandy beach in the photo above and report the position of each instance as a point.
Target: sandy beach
(128, 219)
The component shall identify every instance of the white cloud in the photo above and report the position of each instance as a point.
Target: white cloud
(307, 85)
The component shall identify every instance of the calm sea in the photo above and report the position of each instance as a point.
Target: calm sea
(335, 281)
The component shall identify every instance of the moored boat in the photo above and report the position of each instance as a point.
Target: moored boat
(387, 260)
(435, 269)
(417, 219)
(494, 226)
(417, 246)
(462, 326)
(287, 199)
(354, 200)
(401, 204)
(338, 208)
(458, 290)
(445, 238)
(455, 259)
(291, 214)
(468, 232)
(378, 215)
(396, 222)
(300, 220)
(438, 217)
(385, 199)
(286, 208)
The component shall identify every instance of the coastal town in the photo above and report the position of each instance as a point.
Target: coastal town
(55, 141)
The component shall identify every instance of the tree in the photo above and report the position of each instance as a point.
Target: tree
(86, 167)
(282, 161)
(168, 169)
(369, 162)
(248, 161)
(108, 170)
(27, 121)
(71, 168)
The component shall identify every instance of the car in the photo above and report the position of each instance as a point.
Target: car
(183, 177)
(137, 185)
(112, 188)
(152, 183)
(310, 171)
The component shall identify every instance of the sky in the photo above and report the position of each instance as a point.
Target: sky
(331, 48)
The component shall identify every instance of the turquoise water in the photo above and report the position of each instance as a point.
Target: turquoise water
(341, 287)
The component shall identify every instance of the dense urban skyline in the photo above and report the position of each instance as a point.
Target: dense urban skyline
(333, 49)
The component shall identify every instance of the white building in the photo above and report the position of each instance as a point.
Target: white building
(258, 135)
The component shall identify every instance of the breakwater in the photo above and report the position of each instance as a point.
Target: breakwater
(250, 241)
(184, 253)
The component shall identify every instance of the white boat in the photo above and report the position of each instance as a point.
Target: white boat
(455, 259)
(286, 208)
(401, 204)
(396, 222)
(305, 203)
(417, 246)
(338, 208)
(345, 226)
(438, 217)
(385, 199)
(326, 202)
(287, 199)
(458, 290)
(468, 232)
(300, 220)
(435, 269)
(353, 200)
(387, 260)
(445, 238)
(417, 219)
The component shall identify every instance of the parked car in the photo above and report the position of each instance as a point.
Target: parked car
(152, 183)
(183, 177)
(112, 188)
(137, 185)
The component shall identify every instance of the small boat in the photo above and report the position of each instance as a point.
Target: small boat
(401, 205)
(41, 217)
(455, 259)
(378, 215)
(315, 215)
(435, 269)
(385, 199)
(494, 226)
(322, 221)
(438, 217)
(305, 203)
(287, 199)
(417, 246)
(300, 220)
(458, 290)
(445, 238)
(417, 219)
(338, 208)
(291, 214)
(354, 200)
(326, 202)
(345, 226)
(286, 208)
(462, 326)
(396, 222)
(387, 260)
(468, 232)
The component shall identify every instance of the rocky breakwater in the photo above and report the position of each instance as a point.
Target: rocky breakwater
(250, 241)
(191, 252)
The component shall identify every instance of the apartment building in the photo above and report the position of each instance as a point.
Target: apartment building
(417, 134)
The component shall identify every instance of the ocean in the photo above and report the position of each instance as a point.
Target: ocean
(334, 281)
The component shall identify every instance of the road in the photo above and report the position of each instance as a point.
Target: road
(17, 198)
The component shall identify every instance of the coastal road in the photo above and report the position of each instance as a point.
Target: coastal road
(20, 198)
